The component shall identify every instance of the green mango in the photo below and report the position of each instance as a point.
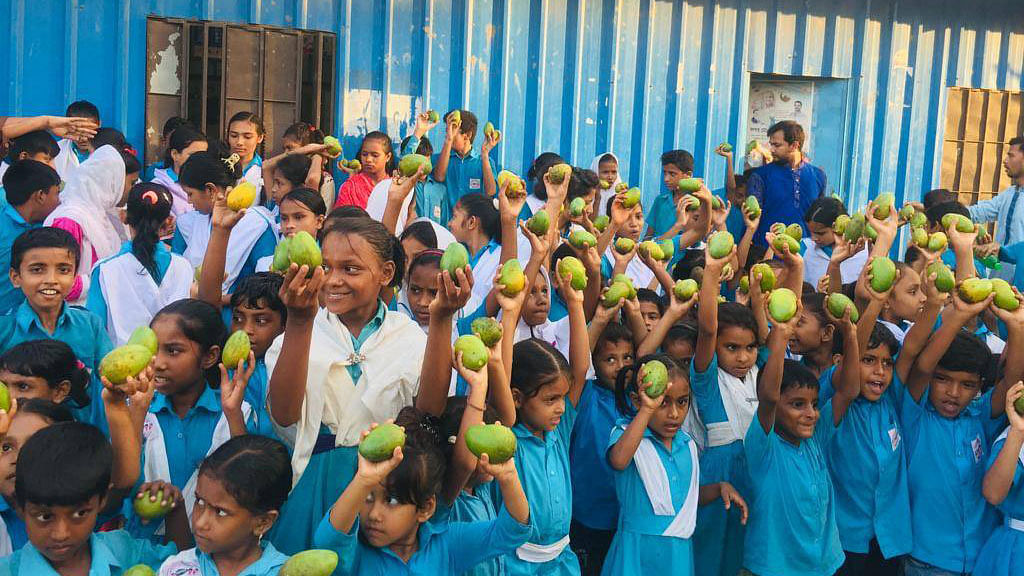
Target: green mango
(944, 279)
(937, 242)
(312, 562)
(685, 289)
(512, 277)
(624, 245)
(668, 248)
(796, 231)
(840, 224)
(631, 198)
(1004, 296)
(1018, 405)
(689, 185)
(281, 261)
(622, 187)
(920, 237)
(777, 228)
(5, 397)
(605, 185)
(581, 239)
(767, 276)
(539, 223)
(855, 229)
(474, 352)
(379, 445)
(907, 212)
(983, 236)
(752, 206)
(615, 292)
(145, 337)
(139, 570)
(786, 240)
(601, 222)
(572, 266)
(455, 257)
(433, 116)
(515, 185)
(870, 233)
(655, 378)
(716, 203)
(148, 510)
(487, 329)
(354, 165)
(410, 163)
(333, 145)
(782, 304)
(744, 285)
(837, 304)
(919, 220)
(455, 117)
(974, 290)
(558, 173)
(651, 248)
(303, 251)
(725, 147)
(883, 274)
(495, 440)
(692, 203)
(727, 270)
(627, 281)
(488, 129)
(963, 224)
(720, 244)
(236, 349)
(124, 362)
(883, 205)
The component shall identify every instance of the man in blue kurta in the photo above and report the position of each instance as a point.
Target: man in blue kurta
(1006, 209)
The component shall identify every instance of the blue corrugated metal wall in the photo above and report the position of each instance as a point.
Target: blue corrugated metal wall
(575, 76)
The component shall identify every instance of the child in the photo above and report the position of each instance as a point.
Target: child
(1001, 488)
(421, 235)
(170, 125)
(72, 153)
(421, 287)
(48, 370)
(661, 217)
(814, 334)
(245, 136)
(298, 168)
(652, 306)
(377, 156)
(239, 493)
(184, 142)
(735, 192)
(607, 168)
(129, 288)
(338, 368)
(36, 145)
(624, 223)
(822, 245)
(538, 195)
(431, 195)
(583, 184)
(476, 223)
(457, 167)
(905, 304)
(32, 190)
(657, 478)
(302, 209)
(301, 134)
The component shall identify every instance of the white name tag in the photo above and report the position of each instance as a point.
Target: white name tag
(437, 212)
(894, 438)
(976, 447)
(474, 183)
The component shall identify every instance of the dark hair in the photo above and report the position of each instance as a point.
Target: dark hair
(613, 332)
(64, 464)
(389, 148)
(384, 243)
(173, 123)
(936, 212)
(45, 237)
(881, 335)
(913, 254)
(680, 159)
(468, 124)
(148, 206)
(608, 157)
(254, 120)
(792, 132)
(937, 196)
(968, 353)
(684, 330)
(536, 363)
(201, 323)
(740, 180)
(182, 137)
(754, 255)
(562, 251)
(420, 474)
(26, 177)
(255, 470)
(422, 232)
(425, 258)
(424, 148)
(539, 168)
(738, 315)
(648, 295)
(688, 260)
(261, 288)
(348, 211)
(31, 143)
(482, 208)
(304, 133)
(451, 422)
(1017, 141)
(49, 411)
(83, 109)
(53, 361)
(795, 375)
(824, 210)
(814, 304)
(582, 182)
(294, 168)
(309, 198)
(626, 381)
(209, 167)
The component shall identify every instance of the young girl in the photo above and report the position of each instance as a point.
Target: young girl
(301, 134)
(475, 222)
(607, 168)
(184, 142)
(301, 210)
(1002, 488)
(538, 195)
(48, 370)
(820, 245)
(813, 336)
(423, 234)
(905, 304)
(300, 167)
(377, 156)
(338, 368)
(206, 177)
(129, 288)
(239, 493)
(625, 223)
(657, 478)
(89, 209)
(421, 286)
(245, 136)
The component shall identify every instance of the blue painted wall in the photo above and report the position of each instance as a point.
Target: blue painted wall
(576, 76)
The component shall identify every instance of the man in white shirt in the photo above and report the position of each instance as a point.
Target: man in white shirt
(1007, 207)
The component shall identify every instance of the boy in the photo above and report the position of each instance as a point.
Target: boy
(61, 485)
(74, 152)
(661, 218)
(456, 167)
(652, 306)
(36, 145)
(431, 197)
(32, 190)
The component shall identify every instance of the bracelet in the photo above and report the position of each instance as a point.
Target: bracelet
(471, 405)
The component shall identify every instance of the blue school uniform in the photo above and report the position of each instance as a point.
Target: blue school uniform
(594, 503)
(792, 529)
(187, 562)
(639, 547)
(1003, 553)
(97, 302)
(256, 395)
(869, 473)
(431, 195)
(662, 214)
(443, 549)
(15, 525)
(475, 507)
(112, 553)
(11, 226)
(77, 327)
(946, 463)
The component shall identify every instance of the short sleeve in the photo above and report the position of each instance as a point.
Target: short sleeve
(757, 445)
(992, 426)
(994, 453)
(825, 389)
(911, 413)
(826, 427)
(763, 353)
(702, 381)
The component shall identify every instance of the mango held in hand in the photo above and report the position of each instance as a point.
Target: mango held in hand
(615, 292)
(605, 185)
(937, 242)
(410, 164)
(148, 510)
(744, 285)
(963, 224)
(621, 187)
(281, 261)
(783, 240)
(855, 229)
(920, 237)
(379, 445)
(918, 220)
(581, 239)
(944, 279)
(883, 205)
(303, 251)
(488, 129)
(782, 304)
(907, 212)
(752, 206)
(883, 274)
(838, 303)
(795, 231)
(685, 289)
(242, 196)
(1004, 296)
(487, 330)
(1018, 405)
(628, 282)
(720, 244)
(145, 337)
(572, 266)
(495, 440)
(840, 224)
(515, 185)
(689, 185)
(668, 249)
(236, 349)
(139, 570)
(433, 116)
(631, 198)
(5, 398)
(539, 223)
(576, 207)
(651, 249)
(974, 290)
(512, 278)
(474, 352)
(691, 203)
(353, 165)
(655, 378)
(767, 276)
(455, 257)
(455, 117)
(124, 362)
(601, 222)
(870, 233)
(333, 145)
(624, 245)
(313, 562)
(558, 173)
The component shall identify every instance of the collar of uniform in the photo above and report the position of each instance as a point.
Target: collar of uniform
(26, 316)
(208, 401)
(33, 562)
(14, 214)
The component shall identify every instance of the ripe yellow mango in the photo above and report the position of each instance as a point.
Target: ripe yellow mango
(782, 304)
(242, 196)
(512, 277)
(124, 362)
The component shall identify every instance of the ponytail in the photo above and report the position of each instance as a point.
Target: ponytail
(482, 208)
(208, 167)
(149, 205)
(53, 361)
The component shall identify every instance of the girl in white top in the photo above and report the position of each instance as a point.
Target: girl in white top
(607, 168)
(245, 136)
(824, 247)
(184, 141)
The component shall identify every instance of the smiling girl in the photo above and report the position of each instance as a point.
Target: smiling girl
(377, 156)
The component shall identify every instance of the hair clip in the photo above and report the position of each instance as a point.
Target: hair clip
(452, 439)
(151, 197)
(232, 160)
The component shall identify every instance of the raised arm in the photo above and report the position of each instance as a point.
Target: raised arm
(622, 452)
(441, 168)
(211, 278)
(398, 191)
(953, 319)
(848, 382)
(490, 141)
(436, 374)
(917, 336)
(707, 312)
(674, 312)
(463, 461)
(750, 225)
(287, 385)
(999, 478)
(579, 347)
(769, 384)
(963, 248)
(1013, 368)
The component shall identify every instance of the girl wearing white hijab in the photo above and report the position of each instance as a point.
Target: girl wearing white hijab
(607, 168)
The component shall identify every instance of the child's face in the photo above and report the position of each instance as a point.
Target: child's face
(462, 142)
(543, 411)
(280, 186)
(681, 350)
(24, 387)
(355, 274)
(50, 201)
(737, 196)
(61, 533)
(608, 170)
(179, 362)
(412, 248)
(460, 223)
(201, 198)
(633, 226)
(668, 418)
(609, 358)
(876, 366)
(384, 521)
(810, 334)
(179, 158)
(43, 157)
(374, 157)
(671, 175)
(260, 322)
(650, 313)
(537, 303)
(288, 144)
(907, 299)
(220, 524)
(23, 426)
(297, 217)
(421, 290)
(821, 234)
(244, 137)
(46, 275)
(737, 350)
(951, 391)
(797, 413)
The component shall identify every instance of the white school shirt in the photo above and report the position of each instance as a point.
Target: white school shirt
(195, 227)
(132, 295)
(816, 263)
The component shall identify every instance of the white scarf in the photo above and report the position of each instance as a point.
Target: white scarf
(185, 563)
(637, 271)
(606, 194)
(739, 398)
(195, 229)
(659, 491)
(132, 295)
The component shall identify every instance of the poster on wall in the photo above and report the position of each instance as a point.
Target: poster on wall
(772, 102)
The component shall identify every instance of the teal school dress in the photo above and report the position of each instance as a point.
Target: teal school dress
(112, 553)
(1003, 553)
(11, 226)
(195, 562)
(472, 507)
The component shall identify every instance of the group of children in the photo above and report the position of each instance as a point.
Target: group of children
(882, 441)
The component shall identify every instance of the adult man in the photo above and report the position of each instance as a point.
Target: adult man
(787, 186)
(1006, 208)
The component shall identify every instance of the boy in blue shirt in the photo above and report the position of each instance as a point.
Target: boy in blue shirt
(431, 196)
(32, 190)
(74, 152)
(37, 145)
(457, 167)
(661, 217)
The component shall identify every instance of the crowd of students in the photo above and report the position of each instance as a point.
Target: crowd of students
(884, 441)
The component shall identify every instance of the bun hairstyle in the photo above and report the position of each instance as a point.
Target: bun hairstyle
(423, 232)
(419, 476)
(210, 167)
(53, 361)
(384, 244)
(148, 206)
(482, 208)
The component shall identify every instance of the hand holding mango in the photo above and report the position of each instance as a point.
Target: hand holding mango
(380, 442)
(455, 258)
(333, 146)
(154, 500)
(311, 562)
(655, 378)
(496, 441)
(1015, 407)
(242, 196)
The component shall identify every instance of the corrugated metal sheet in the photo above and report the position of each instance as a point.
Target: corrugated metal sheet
(575, 76)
